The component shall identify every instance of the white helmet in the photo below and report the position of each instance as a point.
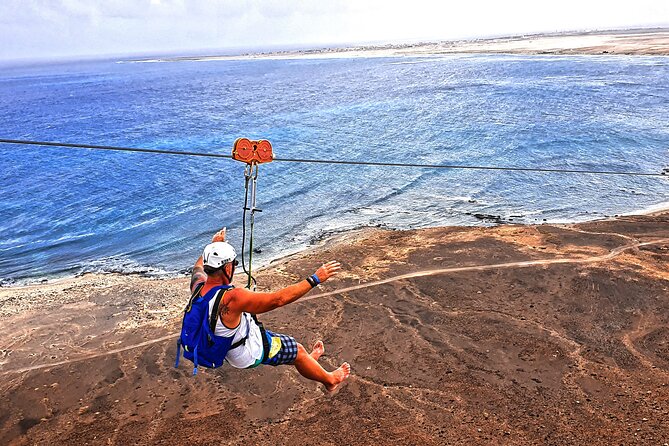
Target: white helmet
(218, 254)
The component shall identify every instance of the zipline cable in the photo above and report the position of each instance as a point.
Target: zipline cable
(112, 148)
(332, 162)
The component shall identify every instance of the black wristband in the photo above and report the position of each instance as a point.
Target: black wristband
(311, 281)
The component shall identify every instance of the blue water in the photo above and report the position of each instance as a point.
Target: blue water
(67, 211)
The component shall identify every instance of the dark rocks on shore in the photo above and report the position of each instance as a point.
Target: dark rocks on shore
(497, 219)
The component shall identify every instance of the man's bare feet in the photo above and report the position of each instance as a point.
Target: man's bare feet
(318, 350)
(338, 376)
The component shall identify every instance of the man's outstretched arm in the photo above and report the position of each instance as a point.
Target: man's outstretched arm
(198, 275)
(256, 303)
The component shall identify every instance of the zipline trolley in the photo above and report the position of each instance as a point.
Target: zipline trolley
(253, 153)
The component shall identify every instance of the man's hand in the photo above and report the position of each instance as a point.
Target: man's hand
(219, 236)
(328, 270)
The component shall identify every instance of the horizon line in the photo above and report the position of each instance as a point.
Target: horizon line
(283, 48)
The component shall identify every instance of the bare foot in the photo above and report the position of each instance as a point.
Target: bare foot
(318, 350)
(338, 376)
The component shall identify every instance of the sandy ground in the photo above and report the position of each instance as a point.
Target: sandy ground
(629, 42)
(511, 335)
(654, 42)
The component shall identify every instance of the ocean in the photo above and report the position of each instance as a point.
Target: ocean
(69, 211)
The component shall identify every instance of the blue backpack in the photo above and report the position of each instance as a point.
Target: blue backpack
(200, 344)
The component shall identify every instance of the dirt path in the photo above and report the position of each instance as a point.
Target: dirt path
(424, 273)
(613, 253)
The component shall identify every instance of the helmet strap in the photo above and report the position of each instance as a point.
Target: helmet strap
(225, 272)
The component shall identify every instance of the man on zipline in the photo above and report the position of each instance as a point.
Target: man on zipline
(237, 310)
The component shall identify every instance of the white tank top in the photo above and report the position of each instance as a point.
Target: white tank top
(245, 355)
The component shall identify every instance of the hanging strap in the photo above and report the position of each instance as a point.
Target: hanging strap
(176, 364)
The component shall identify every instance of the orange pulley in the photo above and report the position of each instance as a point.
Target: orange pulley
(252, 152)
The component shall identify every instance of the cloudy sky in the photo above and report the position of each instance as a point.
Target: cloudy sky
(70, 28)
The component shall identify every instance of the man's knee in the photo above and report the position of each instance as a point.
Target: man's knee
(301, 351)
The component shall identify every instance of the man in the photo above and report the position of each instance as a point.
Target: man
(215, 268)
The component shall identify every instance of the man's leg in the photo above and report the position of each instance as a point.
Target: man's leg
(311, 369)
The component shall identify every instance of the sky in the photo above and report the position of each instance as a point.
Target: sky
(53, 29)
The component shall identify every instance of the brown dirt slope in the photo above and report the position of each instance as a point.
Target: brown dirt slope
(574, 350)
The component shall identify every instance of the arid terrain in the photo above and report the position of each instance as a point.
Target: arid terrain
(509, 335)
(648, 42)
(632, 42)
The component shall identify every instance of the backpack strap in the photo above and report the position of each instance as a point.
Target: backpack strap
(213, 317)
(193, 296)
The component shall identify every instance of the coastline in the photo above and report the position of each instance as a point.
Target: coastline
(542, 319)
(633, 42)
(313, 245)
(657, 209)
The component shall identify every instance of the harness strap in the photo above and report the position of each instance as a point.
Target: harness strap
(242, 341)
(263, 335)
(265, 343)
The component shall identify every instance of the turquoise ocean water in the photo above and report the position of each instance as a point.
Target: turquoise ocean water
(65, 212)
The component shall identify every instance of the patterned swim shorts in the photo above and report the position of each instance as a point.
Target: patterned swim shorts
(282, 349)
